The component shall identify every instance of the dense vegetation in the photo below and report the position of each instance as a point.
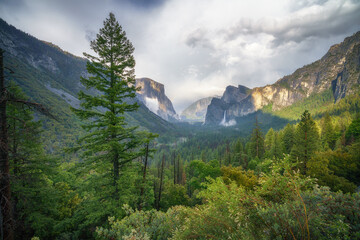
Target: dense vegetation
(115, 181)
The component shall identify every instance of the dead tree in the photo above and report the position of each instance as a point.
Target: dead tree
(144, 176)
(161, 181)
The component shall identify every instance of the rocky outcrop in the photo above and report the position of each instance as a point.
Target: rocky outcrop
(196, 111)
(348, 80)
(339, 70)
(234, 94)
(152, 94)
(217, 111)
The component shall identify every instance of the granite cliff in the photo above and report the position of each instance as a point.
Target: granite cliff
(152, 94)
(338, 70)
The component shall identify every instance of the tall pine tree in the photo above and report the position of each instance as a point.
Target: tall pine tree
(110, 145)
(328, 135)
(257, 146)
(288, 137)
(306, 141)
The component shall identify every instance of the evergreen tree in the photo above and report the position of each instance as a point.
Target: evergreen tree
(353, 132)
(257, 147)
(110, 144)
(277, 146)
(306, 141)
(288, 138)
(6, 97)
(270, 143)
(328, 136)
(238, 149)
(33, 196)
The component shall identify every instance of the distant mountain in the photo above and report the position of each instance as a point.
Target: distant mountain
(152, 94)
(337, 72)
(51, 76)
(217, 110)
(196, 112)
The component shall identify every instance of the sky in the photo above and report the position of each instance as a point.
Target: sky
(198, 47)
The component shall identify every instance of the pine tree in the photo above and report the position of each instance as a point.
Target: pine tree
(238, 149)
(328, 136)
(257, 147)
(270, 143)
(6, 97)
(33, 197)
(353, 132)
(110, 144)
(278, 149)
(306, 141)
(288, 138)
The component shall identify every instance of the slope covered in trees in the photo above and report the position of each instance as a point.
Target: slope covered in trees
(296, 179)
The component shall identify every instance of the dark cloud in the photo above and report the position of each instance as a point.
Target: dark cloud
(90, 35)
(326, 20)
(198, 38)
(147, 3)
(300, 4)
(12, 3)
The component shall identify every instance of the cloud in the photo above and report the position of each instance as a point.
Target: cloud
(197, 48)
(152, 104)
(310, 19)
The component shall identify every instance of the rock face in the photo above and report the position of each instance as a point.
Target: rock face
(196, 111)
(152, 94)
(339, 70)
(217, 111)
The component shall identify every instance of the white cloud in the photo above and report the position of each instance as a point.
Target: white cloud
(197, 48)
(152, 104)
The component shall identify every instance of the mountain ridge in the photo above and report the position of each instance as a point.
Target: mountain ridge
(337, 70)
(51, 76)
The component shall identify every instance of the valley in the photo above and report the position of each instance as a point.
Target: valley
(116, 161)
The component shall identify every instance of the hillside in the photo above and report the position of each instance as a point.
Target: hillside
(51, 77)
(338, 71)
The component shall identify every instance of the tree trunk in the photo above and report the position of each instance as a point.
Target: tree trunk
(144, 176)
(6, 213)
(174, 167)
(161, 182)
(116, 173)
(178, 170)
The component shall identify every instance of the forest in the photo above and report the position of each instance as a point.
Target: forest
(114, 180)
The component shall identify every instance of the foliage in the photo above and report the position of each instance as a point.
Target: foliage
(198, 172)
(288, 138)
(36, 199)
(283, 206)
(256, 144)
(328, 134)
(173, 195)
(150, 224)
(241, 177)
(353, 132)
(306, 141)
